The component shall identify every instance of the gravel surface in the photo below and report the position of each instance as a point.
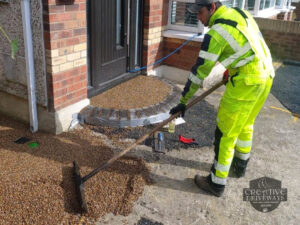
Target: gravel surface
(37, 187)
(138, 92)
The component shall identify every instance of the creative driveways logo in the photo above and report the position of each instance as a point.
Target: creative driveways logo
(265, 194)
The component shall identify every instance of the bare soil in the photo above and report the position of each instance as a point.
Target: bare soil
(37, 187)
(138, 92)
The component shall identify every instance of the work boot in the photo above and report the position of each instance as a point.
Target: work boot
(205, 184)
(239, 166)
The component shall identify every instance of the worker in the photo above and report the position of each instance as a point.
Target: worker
(235, 41)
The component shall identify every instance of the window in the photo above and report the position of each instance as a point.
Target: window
(249, 5)
(120, 23)
(278, 2)
(181, 16)
(181, 19)
(265, 4)
(233, 3)
(283, 4)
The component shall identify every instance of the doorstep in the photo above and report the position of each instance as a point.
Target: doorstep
(134, 117)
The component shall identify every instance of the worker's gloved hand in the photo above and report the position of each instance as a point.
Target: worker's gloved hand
(179, 108)
(225, 76)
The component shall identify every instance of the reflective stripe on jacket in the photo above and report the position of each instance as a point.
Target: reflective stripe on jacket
(236, 42)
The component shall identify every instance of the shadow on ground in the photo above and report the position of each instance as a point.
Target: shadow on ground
(286, 87)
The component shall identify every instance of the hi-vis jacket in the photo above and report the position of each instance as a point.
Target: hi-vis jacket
(235, 41)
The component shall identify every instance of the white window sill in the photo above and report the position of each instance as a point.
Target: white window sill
(183, 35)
(272, 12)
(287, 9)
(267, 13)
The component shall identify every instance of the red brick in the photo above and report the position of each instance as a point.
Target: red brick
(83, 69)
(80, 15)
(62, 17)
(56, 26)
(82, 23)
(56, 8)
(79, 78)
(71, 24)
(79, 31)
(54, 44)
(155, 7)
(155, 19)
(59, 101)
(65, 34)
(72, 41)
(156, 12)
(56, 85)
(60, 92)
(77, 86)
(80, 92)
(84, 96)
(82, 6)
(66, 74)
(73, 7)
(82, 38)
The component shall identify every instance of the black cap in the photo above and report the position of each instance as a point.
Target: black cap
(195, 8)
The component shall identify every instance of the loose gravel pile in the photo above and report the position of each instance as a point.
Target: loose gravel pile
(138, 92)
(37, 187)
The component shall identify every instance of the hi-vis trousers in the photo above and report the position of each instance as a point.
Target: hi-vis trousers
(238, 109)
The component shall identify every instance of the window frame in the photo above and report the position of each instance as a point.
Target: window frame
(243, 3)
(198, 29)
(283, 4)
(263, 12)
(256, 12)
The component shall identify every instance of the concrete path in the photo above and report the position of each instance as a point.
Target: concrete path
(175, 200)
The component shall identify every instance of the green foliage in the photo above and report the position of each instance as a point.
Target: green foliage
(14, 48)
(14, 44)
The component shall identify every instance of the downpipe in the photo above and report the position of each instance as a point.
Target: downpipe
(29, 56)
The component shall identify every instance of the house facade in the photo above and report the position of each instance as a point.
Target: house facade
(75, 49)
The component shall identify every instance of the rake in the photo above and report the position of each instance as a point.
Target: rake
(79, 180)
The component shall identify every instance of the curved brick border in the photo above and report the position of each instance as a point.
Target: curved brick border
(134, 117)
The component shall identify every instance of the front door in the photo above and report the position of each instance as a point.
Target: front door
(108, 39)
(109, 44)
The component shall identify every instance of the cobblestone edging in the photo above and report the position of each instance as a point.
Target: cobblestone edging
(134, 117)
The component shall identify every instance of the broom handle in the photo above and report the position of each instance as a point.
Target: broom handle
(120, 154)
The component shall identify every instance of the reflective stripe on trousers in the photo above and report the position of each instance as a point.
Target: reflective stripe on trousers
(237, 112)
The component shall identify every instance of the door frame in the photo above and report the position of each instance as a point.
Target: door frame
(95, 90)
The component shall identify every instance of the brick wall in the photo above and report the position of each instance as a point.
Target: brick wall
(285, 16)
(282, 16)
(155, 22)
(297, 10)
(282, 37)
(186, 57)
(65, 32)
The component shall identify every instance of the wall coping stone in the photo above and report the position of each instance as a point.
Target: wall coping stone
(278, 25)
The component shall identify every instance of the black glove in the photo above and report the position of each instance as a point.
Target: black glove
(179, 108)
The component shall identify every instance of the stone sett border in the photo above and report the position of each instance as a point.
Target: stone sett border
(152, 114)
